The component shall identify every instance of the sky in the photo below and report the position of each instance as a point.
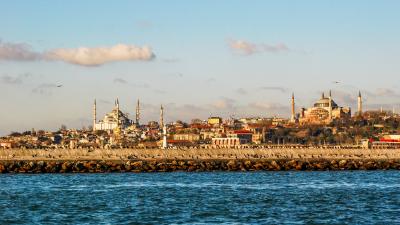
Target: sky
(197, 58)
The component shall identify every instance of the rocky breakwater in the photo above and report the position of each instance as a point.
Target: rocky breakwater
(193, 165)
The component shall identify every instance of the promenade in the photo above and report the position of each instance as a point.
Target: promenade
(195, 154)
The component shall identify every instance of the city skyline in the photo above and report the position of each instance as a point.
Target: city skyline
(55, 62)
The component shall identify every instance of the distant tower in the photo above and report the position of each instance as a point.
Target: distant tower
(164, 144)
(359, 103)
(117, 104)
(323, 95)
(94, 115)
(293, 118)
(330, 105)
(137, 112)
(161, 116)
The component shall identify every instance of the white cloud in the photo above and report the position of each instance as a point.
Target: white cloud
(17, 52)
(224, 103)
(85, 56)
(248, 48)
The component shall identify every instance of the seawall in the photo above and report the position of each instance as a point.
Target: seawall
(196, 154)
(159, 160)
(93, 166)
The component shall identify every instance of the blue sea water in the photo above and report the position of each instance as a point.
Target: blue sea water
(345, 197)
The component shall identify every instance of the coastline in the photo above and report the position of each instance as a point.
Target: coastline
(195, 160)
(137, 166)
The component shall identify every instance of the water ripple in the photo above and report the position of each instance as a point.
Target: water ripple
(359, 197)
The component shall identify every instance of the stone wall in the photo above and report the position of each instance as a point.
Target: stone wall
(196, 154)
(53, 166)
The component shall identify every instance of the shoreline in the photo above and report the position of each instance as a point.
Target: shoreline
(194, 160)
(138, 166)
(196, 154)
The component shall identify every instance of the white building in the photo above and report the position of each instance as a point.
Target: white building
(115, 118)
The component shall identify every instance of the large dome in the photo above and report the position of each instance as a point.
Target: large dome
(324, 102)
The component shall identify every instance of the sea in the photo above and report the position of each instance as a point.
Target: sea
(329, 197)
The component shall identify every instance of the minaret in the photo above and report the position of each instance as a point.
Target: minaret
(94, 115)
(164, 143)
(330, 105)
(359, 103)
(293, 117)
(117, 104)
(161, 116)
(137, 112)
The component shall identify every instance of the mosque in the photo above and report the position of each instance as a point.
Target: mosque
(324, 111)
(116, 119)
(112, 120)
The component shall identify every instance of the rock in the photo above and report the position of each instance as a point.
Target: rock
(65, 167)
(231, 165)
(79, 167)
(300, 166)
(2, 168)
(258, 166)
(342, 163)
(137, 164)
(275, 165)
(248, 164)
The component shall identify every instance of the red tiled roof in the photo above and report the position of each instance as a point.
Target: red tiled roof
(242, 132)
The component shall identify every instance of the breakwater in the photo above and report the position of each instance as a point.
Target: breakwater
(196, 154)
(102, 166)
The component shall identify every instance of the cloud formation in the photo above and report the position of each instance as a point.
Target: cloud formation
(6, 79)
(268, 106)
(17, 52)
(386, 92)
(44, 89)
(120, 81)
(273, 88)
(224, 103)
(241, 91)
(85, 56)
(125, 82)
(248, 48)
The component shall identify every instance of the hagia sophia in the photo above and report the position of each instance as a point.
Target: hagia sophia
(324, 111)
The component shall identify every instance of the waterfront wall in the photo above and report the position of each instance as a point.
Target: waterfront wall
(193, 165)
(196, 154)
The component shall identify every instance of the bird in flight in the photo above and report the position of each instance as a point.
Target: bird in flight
(336, 82)
(60, 85)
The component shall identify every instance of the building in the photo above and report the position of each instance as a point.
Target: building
(187, 137)
(214, 121)
(6, 144)
(387, 141)
(324, 111)
(112, 120)
(237, 137)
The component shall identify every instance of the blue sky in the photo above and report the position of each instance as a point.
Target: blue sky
(198, 58)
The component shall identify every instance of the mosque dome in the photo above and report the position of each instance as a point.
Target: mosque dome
(324, 103)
